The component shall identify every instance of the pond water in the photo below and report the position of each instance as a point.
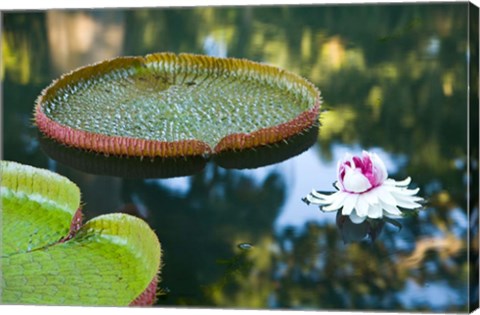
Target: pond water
(393, 80)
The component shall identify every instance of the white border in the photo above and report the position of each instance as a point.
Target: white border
(55, 4)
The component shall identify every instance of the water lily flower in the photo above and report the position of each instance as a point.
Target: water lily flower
(365, 191)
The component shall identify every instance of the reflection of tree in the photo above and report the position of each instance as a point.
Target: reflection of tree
(81, 37)
(24, 43)
(326, 274)
(157, 30)
(202, 228)
(322, 272)
(403, 91)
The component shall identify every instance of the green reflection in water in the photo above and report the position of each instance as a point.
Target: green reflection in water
(392, 77)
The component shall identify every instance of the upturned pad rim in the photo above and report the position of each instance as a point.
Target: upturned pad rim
(140, 147)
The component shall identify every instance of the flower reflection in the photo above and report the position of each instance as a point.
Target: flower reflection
(352, 232)
(365, 191)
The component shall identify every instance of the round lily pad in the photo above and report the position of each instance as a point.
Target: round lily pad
(176, 105)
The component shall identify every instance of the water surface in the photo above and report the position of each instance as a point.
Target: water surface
(394, 81)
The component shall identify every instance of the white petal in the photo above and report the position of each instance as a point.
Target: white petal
(379, 165)
(356, 218)
(389, 183)
(393, 216)
(325, 200)
(337, 202)
(355, 181)
(385, 196)
(349, 203)
(315, 201)
(371, 197)
(404, 182)
(317, 194)
(399, 196)
(339, 164)
(361, 206)
(404, 191)
(407, 204)
(331, 198)
(375, 212)
(392, 209)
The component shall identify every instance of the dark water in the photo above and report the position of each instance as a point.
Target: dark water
(394, 81)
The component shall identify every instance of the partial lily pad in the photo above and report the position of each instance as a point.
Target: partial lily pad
(111, 260)
(176, 105)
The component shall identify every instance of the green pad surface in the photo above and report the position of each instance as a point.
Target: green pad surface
(175, 98)
(109, 261)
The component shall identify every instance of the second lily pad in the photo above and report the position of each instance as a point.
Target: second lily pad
(176, 105)
(48, 257)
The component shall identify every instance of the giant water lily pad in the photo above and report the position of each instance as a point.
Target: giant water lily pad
(176, 105)
(48, 257)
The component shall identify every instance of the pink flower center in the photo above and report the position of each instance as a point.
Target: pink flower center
(367, 167)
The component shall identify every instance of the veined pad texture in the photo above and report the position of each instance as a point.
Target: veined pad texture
(176, 105)
(112, 260)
